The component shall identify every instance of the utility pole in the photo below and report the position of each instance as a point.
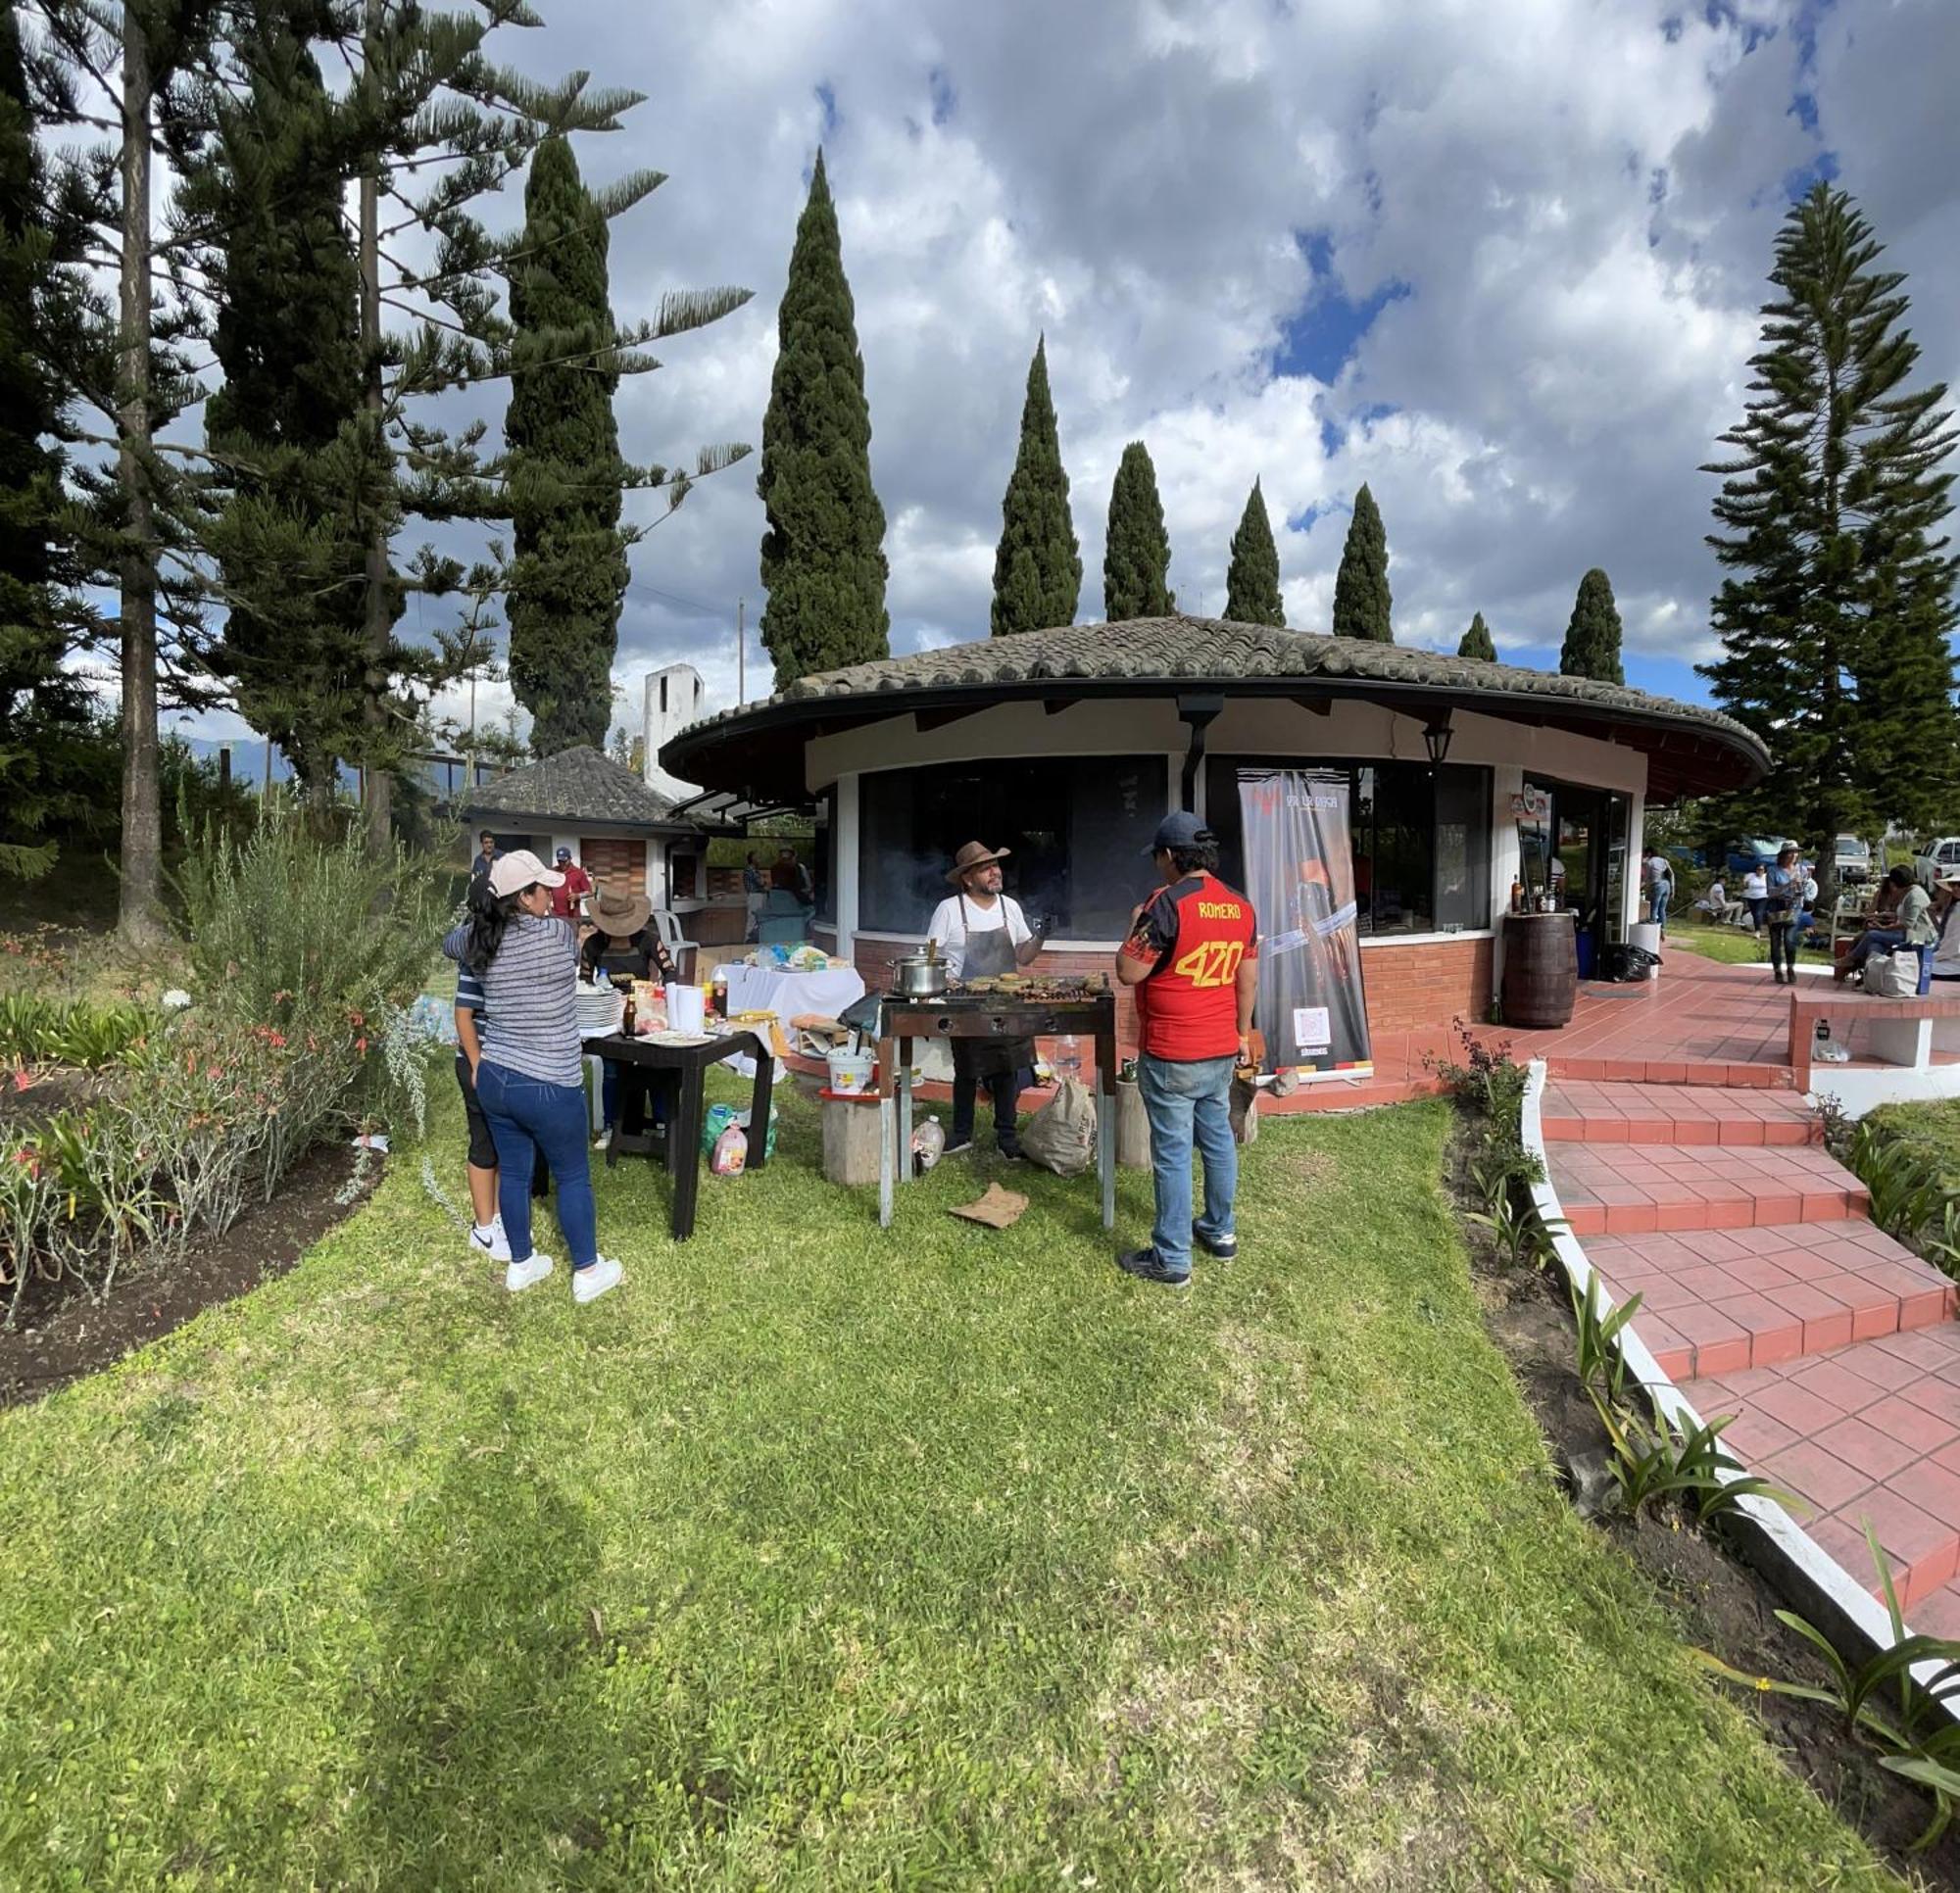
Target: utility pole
(741, 652)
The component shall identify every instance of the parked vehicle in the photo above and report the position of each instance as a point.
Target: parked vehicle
(1940, 853)
(1755, 852)
(1852, 858)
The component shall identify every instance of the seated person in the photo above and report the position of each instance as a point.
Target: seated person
(1945, 955)
(1911, 926)
(1717, 905)
(623, 942)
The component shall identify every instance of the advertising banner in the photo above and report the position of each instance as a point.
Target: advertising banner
(1299, 872)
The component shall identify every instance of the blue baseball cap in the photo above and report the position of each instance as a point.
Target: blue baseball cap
(565, 855)
(1181, 830)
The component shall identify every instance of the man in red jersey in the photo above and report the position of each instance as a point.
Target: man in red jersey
(1193, 958)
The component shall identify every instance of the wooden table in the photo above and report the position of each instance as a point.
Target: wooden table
(991, 1015)
(678, 1072)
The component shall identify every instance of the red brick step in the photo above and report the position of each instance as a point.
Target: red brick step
(1635, 1190)
(1581, 1110)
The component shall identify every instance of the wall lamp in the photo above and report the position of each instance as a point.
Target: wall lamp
(1436, 740)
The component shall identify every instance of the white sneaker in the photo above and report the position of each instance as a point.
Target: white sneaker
(490, 1244)
(588, 1284)
(603, 1140)
(520, 1276)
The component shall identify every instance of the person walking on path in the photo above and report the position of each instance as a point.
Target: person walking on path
(1784, 885)
(1659, 874)
(528, 1076)
(1191, 959)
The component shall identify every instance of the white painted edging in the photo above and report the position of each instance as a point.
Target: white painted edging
(1817, 1585)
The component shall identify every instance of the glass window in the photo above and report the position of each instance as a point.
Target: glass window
(1421, 839)
(1077, 826)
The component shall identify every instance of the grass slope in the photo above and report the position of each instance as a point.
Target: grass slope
(820, 1558)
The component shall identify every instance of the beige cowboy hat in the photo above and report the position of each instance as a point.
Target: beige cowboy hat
(975, 854)
(620, 914)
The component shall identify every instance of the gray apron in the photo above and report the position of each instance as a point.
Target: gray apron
(987, 957)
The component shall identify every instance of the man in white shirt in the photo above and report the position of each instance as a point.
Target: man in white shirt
(983, 934)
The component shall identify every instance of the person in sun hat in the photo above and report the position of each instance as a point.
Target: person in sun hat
(1191, 960)
(621, 944)
(1943, 961)
(983, 933)
(529, 1077)
(576, 886)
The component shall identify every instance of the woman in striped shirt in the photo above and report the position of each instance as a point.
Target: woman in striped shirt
(529, 1081)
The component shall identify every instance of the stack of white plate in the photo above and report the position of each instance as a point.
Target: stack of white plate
(600, 1010)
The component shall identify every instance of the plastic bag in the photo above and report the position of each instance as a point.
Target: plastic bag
(719, 1119)
(1063, 1137)
(1892, 976)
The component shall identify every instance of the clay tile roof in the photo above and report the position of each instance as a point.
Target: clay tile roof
(1217, 651)
(577, 785)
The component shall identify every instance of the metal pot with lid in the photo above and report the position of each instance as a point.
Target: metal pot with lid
(919, 976)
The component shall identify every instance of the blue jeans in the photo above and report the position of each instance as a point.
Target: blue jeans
(1188, 1103)
(1657, 899)
(527, 1116)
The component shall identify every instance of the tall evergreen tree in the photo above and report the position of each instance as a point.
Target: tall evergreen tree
(35, 692)
(1038, 567)
(1838, 602)
(1361, 599)
(1477, 642)
(567, 475)
(1591, 647)
(284, 425)
(823, 553)
(1136, 552)
(1252, 581)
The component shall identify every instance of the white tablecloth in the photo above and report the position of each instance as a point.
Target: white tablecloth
(790, 995)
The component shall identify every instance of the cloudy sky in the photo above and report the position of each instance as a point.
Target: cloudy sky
(1500, 261)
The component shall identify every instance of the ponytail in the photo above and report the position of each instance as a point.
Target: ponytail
(489, 917)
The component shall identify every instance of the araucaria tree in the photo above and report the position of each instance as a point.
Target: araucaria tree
(283, 427)
(1252, 581)
(1477, 642)
(1038, 567)
(823, 553)
(1838, 602)
(1136, 550)
(1591, 647)
(1361, 600)
(571, 573)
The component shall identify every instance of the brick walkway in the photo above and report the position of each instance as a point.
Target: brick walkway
(1766, 1291)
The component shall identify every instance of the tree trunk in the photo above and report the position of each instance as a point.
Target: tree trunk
(377, 780)
(140, 904)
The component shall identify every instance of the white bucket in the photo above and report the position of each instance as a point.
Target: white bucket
(1644, 933)
(687, 1008)
(850, 1071)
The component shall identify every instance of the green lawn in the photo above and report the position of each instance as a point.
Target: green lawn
(1734, 945)
(823, 1558)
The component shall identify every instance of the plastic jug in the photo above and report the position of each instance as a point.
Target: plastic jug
(928, 1145)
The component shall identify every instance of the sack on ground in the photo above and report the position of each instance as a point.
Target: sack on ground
(1063, 1137)
(1892, 976)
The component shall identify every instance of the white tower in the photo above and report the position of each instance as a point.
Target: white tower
(673, 702)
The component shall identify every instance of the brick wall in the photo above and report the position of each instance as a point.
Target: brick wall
(612, 862)
(1408, 988)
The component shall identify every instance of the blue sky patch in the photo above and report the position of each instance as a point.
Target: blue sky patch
(1320, 336)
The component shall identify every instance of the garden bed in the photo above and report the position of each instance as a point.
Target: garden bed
(62, 1334)
(1719, 1604)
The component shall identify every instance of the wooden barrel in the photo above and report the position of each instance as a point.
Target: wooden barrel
(1541, 969)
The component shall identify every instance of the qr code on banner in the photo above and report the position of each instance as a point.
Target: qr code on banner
(1310, 1029)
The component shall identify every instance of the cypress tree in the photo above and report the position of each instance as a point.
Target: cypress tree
(1477, 642)
(1252, 581)
(1838, 602)
(823, 557)
(283, 425)
(1362, 600)
(570, 575)
(1591, 647)
(1136, 552)
(1038, 567)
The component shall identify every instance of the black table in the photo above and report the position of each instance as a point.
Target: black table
(676, 1072)
(1090, 1013)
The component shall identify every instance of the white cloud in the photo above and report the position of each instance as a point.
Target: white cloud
(1579, 200)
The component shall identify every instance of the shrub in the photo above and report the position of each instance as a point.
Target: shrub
(286, 927)
(41, 1031)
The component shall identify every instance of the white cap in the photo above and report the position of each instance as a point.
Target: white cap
(513, 873)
